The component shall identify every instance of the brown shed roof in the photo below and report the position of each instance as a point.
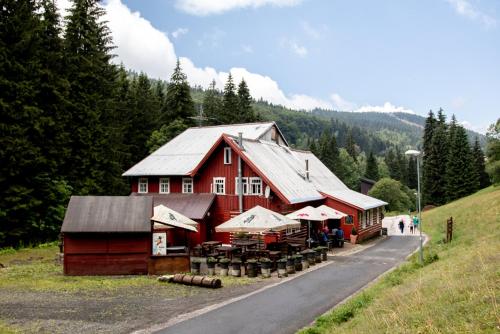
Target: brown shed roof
(194, 206)
(108, 214)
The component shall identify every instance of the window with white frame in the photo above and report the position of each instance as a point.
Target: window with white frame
(187, 185)
(143, 185)
(164, 185)
(369, 218)
(363, 220)
(255, 186)
(227, 155)
(219, 185)
(292, 230)
(244, 181)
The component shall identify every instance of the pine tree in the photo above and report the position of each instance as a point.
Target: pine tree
(351, 145)
(178, 101)
(212, 104)
(230, 103)
(460, 178)
(483, 180)
(371, 171)
(245, 110)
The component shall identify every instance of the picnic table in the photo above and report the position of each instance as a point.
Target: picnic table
(209, 247)
(228, 250)
(244, 244)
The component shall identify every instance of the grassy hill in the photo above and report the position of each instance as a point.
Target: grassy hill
(457, 291)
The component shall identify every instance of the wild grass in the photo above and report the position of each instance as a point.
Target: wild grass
(35, 269)
(456, 291)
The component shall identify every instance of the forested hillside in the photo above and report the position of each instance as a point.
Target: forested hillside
(72, 121)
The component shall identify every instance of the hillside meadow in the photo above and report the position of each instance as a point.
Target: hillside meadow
(457, 289)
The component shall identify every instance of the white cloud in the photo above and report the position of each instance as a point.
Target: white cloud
(466, 9)
(386, 108)
(211, 38)
(139, 45)
(341, 104)
(483, 128)
(179, 32)
(64, 6)
(211, 7)
(299, 50)
(310, 31)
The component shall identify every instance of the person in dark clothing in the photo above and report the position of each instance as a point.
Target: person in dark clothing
(401, 226)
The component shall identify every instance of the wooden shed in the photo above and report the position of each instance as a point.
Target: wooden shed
(107, 235)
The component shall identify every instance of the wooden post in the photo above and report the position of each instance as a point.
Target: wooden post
(449, 229)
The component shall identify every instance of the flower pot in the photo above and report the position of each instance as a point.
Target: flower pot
(236, 269)
(211, 268)
(324, 255)
(282, 269)
(298, 264)
(317, 256)
(290, 266)
(354, 239)
(224, 268)
(265, 268)
(195, 268)
(251, 269)
(305, 264)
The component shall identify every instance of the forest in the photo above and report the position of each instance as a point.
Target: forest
(73, 121)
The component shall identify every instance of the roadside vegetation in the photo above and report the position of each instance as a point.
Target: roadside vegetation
(456, 291)
(36, 269)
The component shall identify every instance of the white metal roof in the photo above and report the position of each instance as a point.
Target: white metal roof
(322, 178)
(357, 199)
(183, 153)
(283, 169)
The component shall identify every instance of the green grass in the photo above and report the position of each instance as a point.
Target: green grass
(35, 269)
(456, 291)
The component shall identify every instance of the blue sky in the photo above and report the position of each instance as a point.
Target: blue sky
(387, 55)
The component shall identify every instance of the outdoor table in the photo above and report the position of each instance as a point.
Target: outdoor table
(244, 244)
(228, 250)
(209, 246)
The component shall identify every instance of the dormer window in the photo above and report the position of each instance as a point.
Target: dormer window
(143, 185)
(227, 155)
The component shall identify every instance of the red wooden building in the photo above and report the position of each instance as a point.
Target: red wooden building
(212, 160)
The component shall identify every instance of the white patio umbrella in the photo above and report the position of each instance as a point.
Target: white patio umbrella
(307, 213)
(256, 220)
(330, 213)
(171, 218)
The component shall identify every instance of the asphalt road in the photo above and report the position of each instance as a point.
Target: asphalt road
(292, 305)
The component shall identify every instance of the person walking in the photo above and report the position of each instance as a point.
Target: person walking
(415, 223)
(411, 227)
(401, 226)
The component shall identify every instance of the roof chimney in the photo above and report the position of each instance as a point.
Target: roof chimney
(307, 169)
(240, 140)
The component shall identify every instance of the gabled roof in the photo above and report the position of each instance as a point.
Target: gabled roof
(182, 154)
(108, 214)
(322, 178)
(352, 197)
(281, 168)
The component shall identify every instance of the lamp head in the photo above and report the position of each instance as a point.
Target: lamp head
(413, 153)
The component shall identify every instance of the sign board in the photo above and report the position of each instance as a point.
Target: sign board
(159, 243)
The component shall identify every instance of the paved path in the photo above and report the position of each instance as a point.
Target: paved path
(292, 305)
(392, 224)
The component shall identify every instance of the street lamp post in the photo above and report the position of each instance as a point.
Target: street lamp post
(417, 154)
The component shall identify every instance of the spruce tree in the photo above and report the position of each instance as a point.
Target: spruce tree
(230, 103)
(483, 180)
(351, 145)
(460, 178)
(245, 110)
(371, 171)
(178, 101)
(212, 104)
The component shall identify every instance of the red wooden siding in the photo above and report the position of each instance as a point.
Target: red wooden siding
(106, 254)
